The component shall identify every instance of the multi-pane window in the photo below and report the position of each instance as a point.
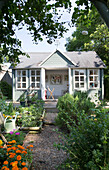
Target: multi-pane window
(21, 79)
(93, 78)
(79, 79)
(35, 79)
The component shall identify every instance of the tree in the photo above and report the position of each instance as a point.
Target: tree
(41, 18)
(97, 40)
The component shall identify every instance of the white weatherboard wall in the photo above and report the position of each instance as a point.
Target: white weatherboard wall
(59, 89)
(43, 83)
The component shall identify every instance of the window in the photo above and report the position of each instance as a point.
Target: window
(35, 79)
(79, 79)
(21, 79)
(93, 78)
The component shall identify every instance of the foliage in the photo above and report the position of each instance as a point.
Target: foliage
(31, 115)
(42, 18)
(18, 136)
(69, 106)
(22, 98)
(7, 108)
(96, 40)
(17, 156)
(87, 144)
(6, 89)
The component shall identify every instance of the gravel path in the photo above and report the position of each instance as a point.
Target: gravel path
(45, 155)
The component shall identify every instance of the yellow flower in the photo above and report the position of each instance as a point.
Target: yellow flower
(14, 164)
(1, 142)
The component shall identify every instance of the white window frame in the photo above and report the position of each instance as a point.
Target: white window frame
(16, 74)
(36, 88)
(84, 71)
(93, 81)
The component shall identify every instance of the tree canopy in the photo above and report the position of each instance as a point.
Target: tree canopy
(97, 40)
(41, 17)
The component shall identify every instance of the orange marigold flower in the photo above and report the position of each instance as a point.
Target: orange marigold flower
(23, 163)
(5, 162)
(8, 149)
(14, 163)
(19, 157)
(5, 168)
(15, 168)
(13, 141)
(31, 146)
(21, 147)
(1, 146)
(24, 152)
(25, 168)
(13, 148)
(12, 155)
(18, 151)
(9, 145)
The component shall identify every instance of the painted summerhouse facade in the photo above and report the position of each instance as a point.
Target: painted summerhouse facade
(61, 72)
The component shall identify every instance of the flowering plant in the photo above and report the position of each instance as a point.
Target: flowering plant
(18, 136)
(17, 157)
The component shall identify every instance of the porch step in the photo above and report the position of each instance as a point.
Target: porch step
(50, 106)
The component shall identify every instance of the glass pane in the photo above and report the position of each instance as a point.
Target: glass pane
(91, 72)
(90, 78)
(91, 85)
(82, 85)
(24, 79)
(19, 73)
(19, 85)
(19, 79)
(81, 72)
(96, 84)
(77, 85)
(38, 79)
(95, 78)
(81, 78)
(23, 85)
(33, 79)
(76, 72)
(38, 85)
(24, 73)
(33, 85)
(38, 73)
(76, 78)
(32, 72)
(95, 72)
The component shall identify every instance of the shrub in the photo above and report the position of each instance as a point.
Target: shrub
(6, 89)
(87, 144)
(69, 106)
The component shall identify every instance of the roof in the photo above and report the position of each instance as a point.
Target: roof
(81, 59)
(4, 69)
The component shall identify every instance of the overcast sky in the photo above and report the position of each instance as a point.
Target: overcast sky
(27, 43)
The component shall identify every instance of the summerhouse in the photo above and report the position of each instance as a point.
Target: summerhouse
(51, 75)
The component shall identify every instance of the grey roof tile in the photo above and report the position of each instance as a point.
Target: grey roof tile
(82, 59)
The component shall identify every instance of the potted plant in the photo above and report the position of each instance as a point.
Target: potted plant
(22, 100)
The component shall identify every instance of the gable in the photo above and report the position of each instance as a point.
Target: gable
(57, 59)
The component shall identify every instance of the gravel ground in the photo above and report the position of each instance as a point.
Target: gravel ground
(45, 155)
